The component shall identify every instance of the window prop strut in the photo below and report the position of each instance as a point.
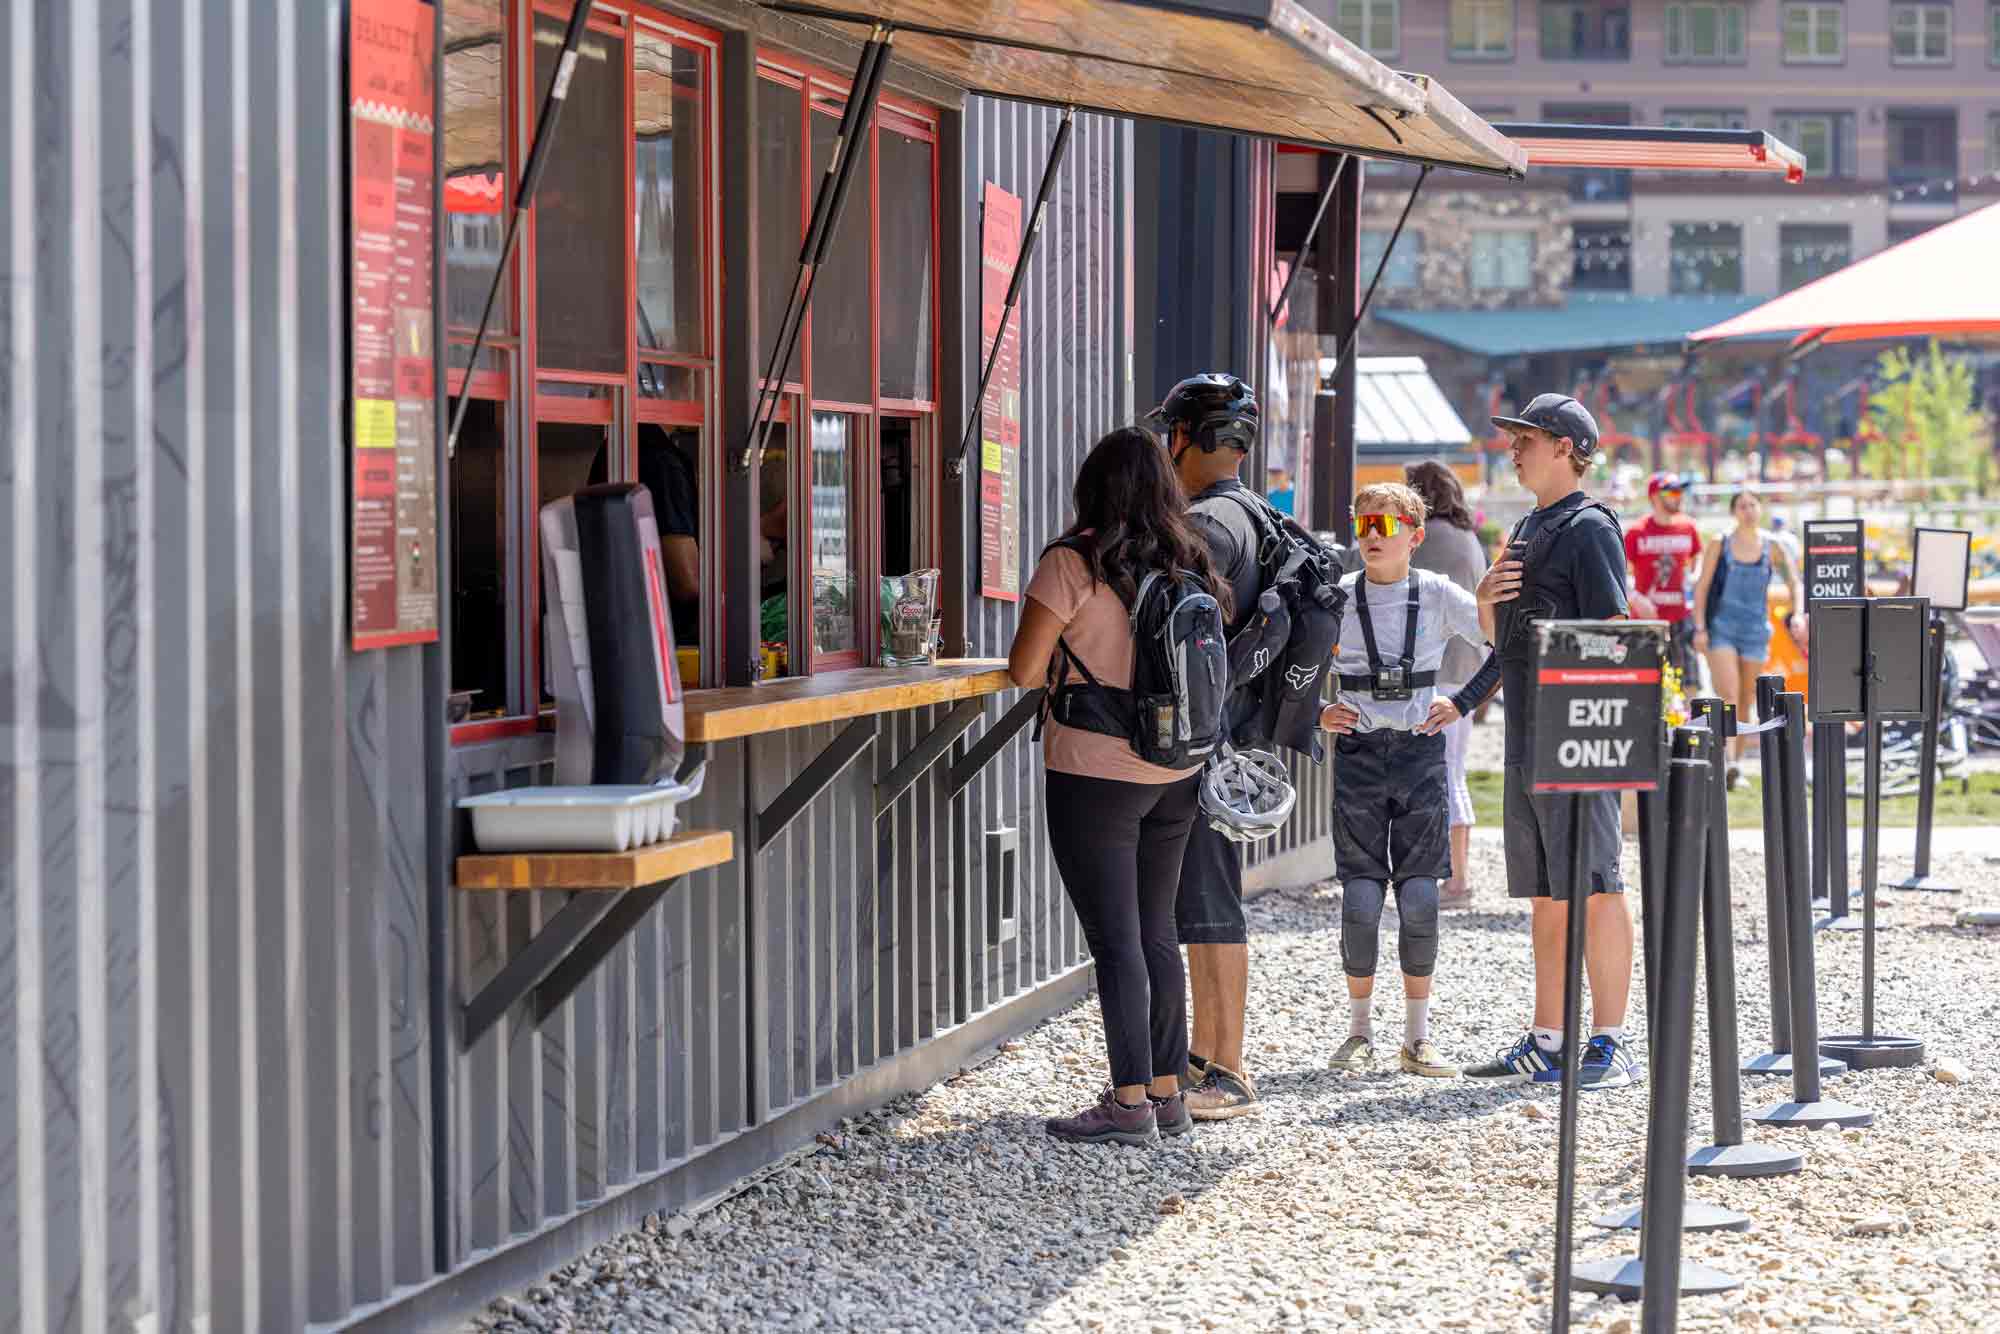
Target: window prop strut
(1381, 267)
(1312, 234)
(531, 176)
(955, 466)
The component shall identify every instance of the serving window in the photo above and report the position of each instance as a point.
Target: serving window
(862, 377)
(598, 362)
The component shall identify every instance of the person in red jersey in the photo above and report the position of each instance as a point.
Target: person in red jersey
(1663, 551)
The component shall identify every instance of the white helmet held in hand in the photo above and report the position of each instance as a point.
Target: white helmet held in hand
(1247, 795)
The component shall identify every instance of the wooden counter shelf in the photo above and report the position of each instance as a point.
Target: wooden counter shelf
(738, 711)
(688, 850)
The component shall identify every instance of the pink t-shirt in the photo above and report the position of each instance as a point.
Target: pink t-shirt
(1098, 630)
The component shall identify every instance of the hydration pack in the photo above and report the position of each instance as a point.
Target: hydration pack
(1172, 715)
(1280, 699)
(1514, 622)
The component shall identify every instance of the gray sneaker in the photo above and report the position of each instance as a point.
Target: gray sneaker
(1172, 1115)
(1108, 1121)
(1354, 1056)
(1222, 1094)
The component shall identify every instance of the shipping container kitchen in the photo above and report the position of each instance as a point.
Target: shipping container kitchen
(270, 1054)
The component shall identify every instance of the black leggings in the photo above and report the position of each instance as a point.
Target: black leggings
(1118, 847)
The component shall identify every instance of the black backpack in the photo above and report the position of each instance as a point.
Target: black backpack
(1172, 715)
(1287, 653)
(1515, 620)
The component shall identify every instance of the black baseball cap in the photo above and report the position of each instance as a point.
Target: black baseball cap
(1559, 415)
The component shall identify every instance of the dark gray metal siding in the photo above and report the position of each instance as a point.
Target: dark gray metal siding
(214, 1108)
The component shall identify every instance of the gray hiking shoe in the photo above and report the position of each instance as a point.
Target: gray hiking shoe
(1108, 1121)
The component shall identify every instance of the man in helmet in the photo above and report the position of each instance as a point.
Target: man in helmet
(1208, 424)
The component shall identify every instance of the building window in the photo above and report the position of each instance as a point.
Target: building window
(1993, 32)
(1825, 137)
(1502, 261)
(1808, 251)
(1601, 257)
(1920, 34)
(1372, 25)
(1705, 33)
(1705, 258)
(1900, 232)
(852, 458)
(1704, 118)
(1594, 185)
(1404, 261)
(1923, 146)
(1482, 29)
(1815, 34)
(1993, 141)
(1586, 30)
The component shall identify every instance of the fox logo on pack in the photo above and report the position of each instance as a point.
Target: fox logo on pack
(1301, 677)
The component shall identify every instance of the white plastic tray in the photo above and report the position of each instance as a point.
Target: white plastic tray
(571, 819)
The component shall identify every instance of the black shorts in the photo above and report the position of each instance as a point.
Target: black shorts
(1209, 910)
(1391, 810)
(1539, 831)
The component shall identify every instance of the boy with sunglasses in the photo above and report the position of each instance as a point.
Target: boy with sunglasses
(1391, 819)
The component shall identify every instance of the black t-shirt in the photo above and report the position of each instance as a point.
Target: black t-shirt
(1233, 539)
(666, 471)
(1585, 578)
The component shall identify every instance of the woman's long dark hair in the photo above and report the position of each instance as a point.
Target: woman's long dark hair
(1131, 518)
(1442, 493)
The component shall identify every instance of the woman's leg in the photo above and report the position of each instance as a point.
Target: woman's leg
(1722, 670)
(1747, 672)
(1163, 836)
(1094, 835)
(1457, 738)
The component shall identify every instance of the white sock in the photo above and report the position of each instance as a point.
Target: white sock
(1616, 1032)
(1416, 1020)
(1549, 1039)
(1360, 1017)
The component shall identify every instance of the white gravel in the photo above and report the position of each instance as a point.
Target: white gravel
(1383, 1202)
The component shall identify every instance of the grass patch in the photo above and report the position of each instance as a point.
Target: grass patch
(1971, 800)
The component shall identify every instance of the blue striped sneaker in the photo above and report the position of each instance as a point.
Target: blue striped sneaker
(1607, 1064)
(1519, 1064)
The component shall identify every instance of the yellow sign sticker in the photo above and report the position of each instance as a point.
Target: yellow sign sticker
(374, 423)
(989, 455)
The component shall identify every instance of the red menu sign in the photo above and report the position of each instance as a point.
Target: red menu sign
(393, 511)
(1000, 409)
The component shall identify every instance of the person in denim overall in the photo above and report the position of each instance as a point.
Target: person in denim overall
(1735, 632)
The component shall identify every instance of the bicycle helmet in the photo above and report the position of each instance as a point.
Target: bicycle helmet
(1247, 795)
(1217, 410)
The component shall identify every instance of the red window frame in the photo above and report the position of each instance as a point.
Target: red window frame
(523, 385)
(818, 86)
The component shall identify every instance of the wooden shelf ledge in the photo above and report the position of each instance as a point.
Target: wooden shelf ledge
(739, 711)
(688, 850)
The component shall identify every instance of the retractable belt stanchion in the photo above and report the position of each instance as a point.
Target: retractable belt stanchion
(1779, 854)
(1874, 634)
(1833, 549)
(1652, 889)
(1920, 876)
(1729, 1155)
(1840, 914)
(1658, 1276)
(1807, 1107)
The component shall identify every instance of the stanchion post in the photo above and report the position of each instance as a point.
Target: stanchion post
(1728, 1155)
(1920, 870)
(1840, 910)
(1807, 1107)
(1574, 939)
(1652, 891)
(1658, 1276)
(1769, 758)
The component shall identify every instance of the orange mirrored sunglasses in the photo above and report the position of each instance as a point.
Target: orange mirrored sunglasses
(1381, 525)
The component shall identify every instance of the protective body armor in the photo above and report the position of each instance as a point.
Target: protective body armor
(1514, 622)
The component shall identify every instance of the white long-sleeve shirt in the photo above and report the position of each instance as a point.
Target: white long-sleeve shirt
(1444, 612)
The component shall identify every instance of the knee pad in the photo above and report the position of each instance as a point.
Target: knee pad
(1360, 924)
(1417, 927)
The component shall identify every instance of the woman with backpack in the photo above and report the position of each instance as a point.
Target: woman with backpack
(1117, 823)
(1732, 611)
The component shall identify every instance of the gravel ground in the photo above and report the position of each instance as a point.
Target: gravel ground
(1378, 1202)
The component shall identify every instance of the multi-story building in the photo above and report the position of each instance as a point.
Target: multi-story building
(1895, 104)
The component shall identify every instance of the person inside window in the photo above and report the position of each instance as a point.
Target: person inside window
(667, 470)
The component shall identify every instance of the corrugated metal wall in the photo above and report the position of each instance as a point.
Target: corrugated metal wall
(213, 1096)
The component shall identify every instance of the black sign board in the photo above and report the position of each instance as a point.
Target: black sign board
(1834, 657)
(1897, 634)
(1833, 560)
(1596, 706)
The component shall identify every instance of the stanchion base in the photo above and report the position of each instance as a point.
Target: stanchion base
(1928, 884)
(1780, 1063)
(1625, 1278)
(1876, 1053)
(1812, 1115)
(1978, 917)
(1696, 1216)
(1744, 1160)
(1852, 922)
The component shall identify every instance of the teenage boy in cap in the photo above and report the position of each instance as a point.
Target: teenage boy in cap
(1664, 550)
(1565, 560)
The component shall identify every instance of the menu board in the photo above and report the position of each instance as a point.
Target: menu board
(1000, 409)
(392, 565)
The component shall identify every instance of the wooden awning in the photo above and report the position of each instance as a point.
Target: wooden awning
(1267, 68)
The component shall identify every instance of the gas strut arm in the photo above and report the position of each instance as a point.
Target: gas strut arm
(955, 466)
(1381, 267)
(1312, 234)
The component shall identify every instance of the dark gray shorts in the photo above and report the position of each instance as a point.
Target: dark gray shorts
(1539, 832)
(1209, 910)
